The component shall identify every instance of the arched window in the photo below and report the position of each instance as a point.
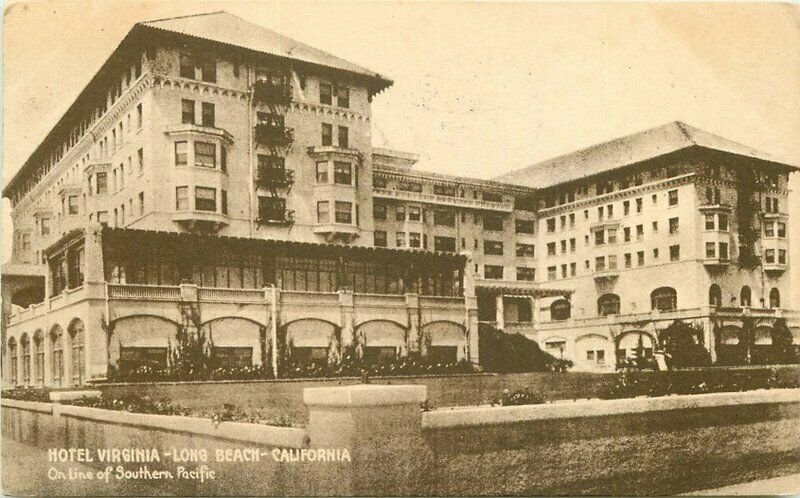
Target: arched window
(608, 304)
(25, 345)
(78, 362)
(560, 310)
(745, 297)
(12, 353)
(715, 295)
(664, 299)
(774, 298)
(57, 345)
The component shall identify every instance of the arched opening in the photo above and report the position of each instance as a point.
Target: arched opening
(664, 299)
(383, 340)
(729, 351)
(447, 341)
(57, 348)
(774, 298)
(77, 339)
(141, 341)
(38, 355)
(237, 341)
(25, 346)
(608, 304)
(308, 339)
(12, 354)
(715, 296)
(560, 309)
(591, 352)
(745, 297)
(634, 344)
(760, 352)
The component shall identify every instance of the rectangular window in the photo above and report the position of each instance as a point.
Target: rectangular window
(674, 225)
(711, 250)
(379, 238)
(493, 222)
(494, 272)
(327, 134)
(628, 260)
(600, 263)
(640, 258)
(410, 186)
(573, 269)
(564, 271)
(181, 198)
(187, 111)
(401, 239)
(414, 239)
(782, 256)
(102, 183)
(781, 229)
(599, 237)
(673, 197)
(45, 226)
(626, 233)
(400, 213)
(612, 235)
(626, 208)
(446, 190)
(141, 203)
(493, 247)
(325, 93)
(563, 247)
(572, 245)
(710, 225)
(72, 203)
(342, 173)
(551, 273)
(769, 255)
(639, 232)
(674, 253)
(639, 205)
(139, 116)
(205, 154)
(208, 114)
(723, 250)
(344, 140)
(551, 248)
(414, 213)
(769, 229)
(323, 212)
(224, 201)
(612, 262)
(525, 250)
(379, 211)
(187, 67)
(524, 226)
(526, 274)
(205, 199)
(551, 225)
(208, 70)
(445, 244)
(343, 97)
(444, 217)
(322, 172)
(723, 222)
(140, 160)
(344, 212)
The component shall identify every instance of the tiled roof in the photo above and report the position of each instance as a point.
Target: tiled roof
(625, 151)
(227, 28)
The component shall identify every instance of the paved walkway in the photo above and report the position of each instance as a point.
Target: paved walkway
(785, 485)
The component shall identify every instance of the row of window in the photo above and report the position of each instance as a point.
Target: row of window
(205, 154)
(342, 173)
(745, 297)
(567, 221)
(205, 199)
(343, 212)
(609, 263)
(56, 348)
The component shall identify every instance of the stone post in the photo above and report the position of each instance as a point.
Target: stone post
(471, 304)
(500, 313)
(347, 307)
(413, 342)
(380, 427)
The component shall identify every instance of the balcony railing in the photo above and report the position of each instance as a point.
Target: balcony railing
(144, 292)
(226, 295)
(270, 134)
(443, 200)
(270, 92)
(276, 216)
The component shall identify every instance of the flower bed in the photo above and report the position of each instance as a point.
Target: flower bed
(28, 394)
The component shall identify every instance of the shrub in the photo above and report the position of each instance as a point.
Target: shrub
(514, 353)
(783, 351)
(518, 397)
(680, 348)
(28, 394)
(352, 366)
(134, 404)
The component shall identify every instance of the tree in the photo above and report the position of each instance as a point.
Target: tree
(783, 350)
(680, 348)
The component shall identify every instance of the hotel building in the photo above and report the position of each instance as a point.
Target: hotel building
(216, 175)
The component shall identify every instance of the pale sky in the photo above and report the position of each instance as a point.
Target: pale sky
(480, 88)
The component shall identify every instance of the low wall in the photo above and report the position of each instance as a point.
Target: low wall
(641, 446)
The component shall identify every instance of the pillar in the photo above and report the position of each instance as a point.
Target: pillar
(347, 322)
(380, 426)
(47, 344)
(500, 313)
(413, 343)
(473, 331)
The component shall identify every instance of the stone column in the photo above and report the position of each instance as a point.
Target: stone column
(47, 344)
(471, 304)
(380, 427)
(347, 307)
(413, 338)
(500, 312)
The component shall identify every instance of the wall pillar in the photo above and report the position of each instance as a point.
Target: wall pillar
(500, 312)
(471, 304)
(66, 340)
(47, 344)
(378, 425)
(413, 343)
(347, 320)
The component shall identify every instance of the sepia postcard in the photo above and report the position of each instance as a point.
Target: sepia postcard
(384, 248)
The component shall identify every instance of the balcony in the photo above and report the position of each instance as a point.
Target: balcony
(268, 176)
(273, 135)
(716, 261)
(332, 232)
(442, 200)
(200, 220)
(775, 252)
(272, 92)
(275, 216)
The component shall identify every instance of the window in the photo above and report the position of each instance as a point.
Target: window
(379, 211)
(674, 225)
(723, 250)
(323, 212)
(639, 232)
(414, 239)
(639, 205)
(600, 213)
(560, 310)
(710, 225)
(551, 273)
(626, 208)
(612, 235)
(141, 203)
(600, 263)
(400, 213)
(526, 273)
(493, 222)
(446, 190)
(187, 111)
(745, 296)
(444, 217)
(205, 155)
(664, 299)
(551, 225)
(525, 250)
(344, 141)
(101, 180)
(674, 253)
(139, 116)
(410, 186)
(563, 247)
(608, 304)
(45, 226)
(599, 237)
(781, 229)
(140, 160)
(673, 197)
(525, 226)
(446, 244)
(322, 172)
(344, 212)
(769, 256)
(401, 239)
(342, 173)
(181, 198)
(626, 233)
(551, 248)
(208, 70)
(494, 272)
(774, 298)
(628, 260)
(610, 209)
(572, 245)
(414, 213)
(640, 258)
(711, 250)
(205, 199)
(493, 247)
(722, 222)
(343, 97)
(715, 295)
(327, 134)
(208, 114)
(379, 238)
(187, 67)
(325, 93)
(72, 204)
(782, 256)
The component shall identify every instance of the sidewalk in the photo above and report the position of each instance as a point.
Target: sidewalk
(785, 485)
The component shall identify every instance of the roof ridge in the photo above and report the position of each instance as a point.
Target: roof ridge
(188, 15)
